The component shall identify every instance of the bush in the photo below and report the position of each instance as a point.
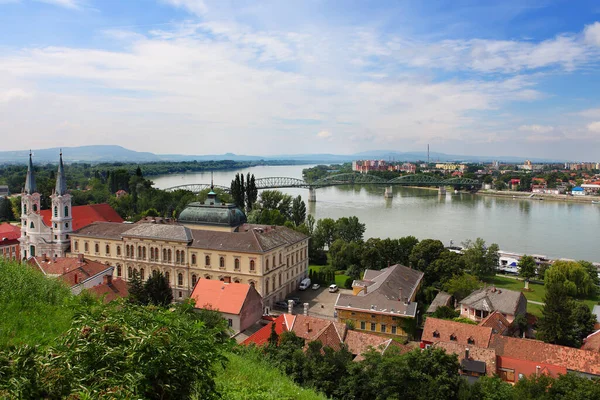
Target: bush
(348, 283)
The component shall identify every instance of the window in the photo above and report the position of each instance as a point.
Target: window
(436, 334)
(274, 264)
(453, 337)
(66, 211)
(142, 273)
(280, 262)
(237, 281)
(67, 225)
(76, 245)
(169, 254)
(55, 211)
(119, 270)
(35, 208)
(194, 280)
(207, 261)
(164, 254)
(180, 279)
(383, 328)
(97, 248)
(31, 225)
(25, 209)
(227, 279)
(252, 265)
(252, 284)
(267, 265)
(471, 340)
(182, 257)
(129, 272)
(177, 257)
(506, 374)
(118, 250)
(237, 264)
(373, 325)
(86, 247)
(273, 283)
(267, 286)
(193, 259)
(363, 325)
(168, 277)
(144, 253)
(279, 279)
(180, 294)
(222, 262)
(55, 225)
(230, 322)
(107, 249)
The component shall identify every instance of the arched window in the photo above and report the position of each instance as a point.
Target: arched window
(207, 276)
(180, 279)
(118, 250)
(279, 279)
(237, 281)
(168, 277)
(119, 270)
(274, 263)
(55, 211)
(76, 245)
(273, 283)
(182, 257)
(24, 208)
(267, 264)
(222, 262)
(142, 273)
(31, 225)
(222, 279)
(193, 259)
(207, 261)
(97, 248)
(144, 253)
(164, 254)
(129, 272)
(176, 256)
(86, 247)
(194, 280)
(252, 284)
(135, 271)
(236, 264)
(252, 265)
(107, 249)
(34, 207)
(267, 286)
(169, 253)
(66, 211)
(280, 259)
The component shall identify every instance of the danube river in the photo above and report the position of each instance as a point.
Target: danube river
(553, 228)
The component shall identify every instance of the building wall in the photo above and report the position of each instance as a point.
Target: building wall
(358, 317)
(252, 310)
(9, 249)
(91, 282)
(273, 284)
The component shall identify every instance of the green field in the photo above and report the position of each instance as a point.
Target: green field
(340, 280)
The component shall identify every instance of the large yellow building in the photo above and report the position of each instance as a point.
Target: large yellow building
(209, 241)
(381, 300)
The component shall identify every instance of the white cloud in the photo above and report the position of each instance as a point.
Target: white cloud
(73, 4)
(592, 33)
(324, 135)
(594, 127)
(536, 128)
(197, 7)
(14, 94)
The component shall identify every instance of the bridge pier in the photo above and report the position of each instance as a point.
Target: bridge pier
(312, 195)
(389, 192)
(442, 190)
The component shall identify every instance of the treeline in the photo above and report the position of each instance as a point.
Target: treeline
(400, 374)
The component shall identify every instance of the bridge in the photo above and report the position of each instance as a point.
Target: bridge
(346, 179)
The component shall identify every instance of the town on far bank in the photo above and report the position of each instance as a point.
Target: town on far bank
(280, 280)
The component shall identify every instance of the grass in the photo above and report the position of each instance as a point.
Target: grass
(251, 378)
(340, 280)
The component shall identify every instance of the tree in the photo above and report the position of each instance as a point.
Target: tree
(6, 211)
(583, 318)
(592, 271)
(298, 211)
(273, 336)
(425, 252)
(251, 192)
(440, 271)
(405, 247)
(343, 254)
(520, 322)
(137, 293)
(158, 291)
(445, 312)
(557, 323)
(527, 268)
(349, 229)
(573, 276)
(460, 286)
(480, 260)
(324, 233)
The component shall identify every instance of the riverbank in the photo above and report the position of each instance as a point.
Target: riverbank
(539, 196)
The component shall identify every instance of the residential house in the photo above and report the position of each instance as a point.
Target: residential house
(110, 289)
(9, 241)
(442, 299)
(239, 303)
(498, 322)
(481, 303)
(578, 191)
(381, 301)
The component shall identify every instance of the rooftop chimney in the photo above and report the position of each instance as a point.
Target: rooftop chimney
(305, 308)
(467, 353)
(308, 327)
(76, 278)
(537, 370)
(290, 306)
(107, 279)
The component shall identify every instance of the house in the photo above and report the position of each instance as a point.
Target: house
(515, 183)
(442, 299)
(498, 322)
(578, 191)
(481, 303)
(510, 358)
(381, 300)
(110, 289)
(120, 193)
(9, 241)
(239, 303)
(330, 333)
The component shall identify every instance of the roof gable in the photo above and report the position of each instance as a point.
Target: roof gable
(224, 297)
(441, 330)
(85, 215)
(9, 231)
(494, 299)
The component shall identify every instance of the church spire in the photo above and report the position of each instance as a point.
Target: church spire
(61, 181)
(30, 179)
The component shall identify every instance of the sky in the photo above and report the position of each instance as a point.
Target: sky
(493, 78)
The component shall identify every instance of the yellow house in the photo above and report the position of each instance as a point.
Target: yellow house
(209, 241)
(381, 300)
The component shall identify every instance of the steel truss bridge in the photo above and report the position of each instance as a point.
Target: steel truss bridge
(345, 179)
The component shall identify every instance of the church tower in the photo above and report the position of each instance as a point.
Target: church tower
(62, 219)
(30, 214)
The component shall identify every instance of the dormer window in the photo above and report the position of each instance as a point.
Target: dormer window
(471, 340)
(436, 334)
(453, 337)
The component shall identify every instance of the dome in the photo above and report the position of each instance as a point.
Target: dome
(212, 212)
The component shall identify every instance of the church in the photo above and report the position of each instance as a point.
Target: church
(48, 231)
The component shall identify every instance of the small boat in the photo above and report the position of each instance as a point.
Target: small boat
(595, 202)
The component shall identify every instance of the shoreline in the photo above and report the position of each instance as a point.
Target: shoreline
(539, 196)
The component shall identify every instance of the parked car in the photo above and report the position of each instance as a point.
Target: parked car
(333, 288)
(305, 284)
(281, 304)
(295, 299)
(315, 286)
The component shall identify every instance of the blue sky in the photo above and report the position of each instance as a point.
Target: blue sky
(279, 77)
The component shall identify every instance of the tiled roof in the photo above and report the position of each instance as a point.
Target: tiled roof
(261, 337)
(309, 328)
(110, 291)
(224, 297)
(441, 299)
(67, 267)
(359, 342)
(536, 351)
(494, 299)
(103, 230)
(159, 231)
(383, 291)
(497, 322)
(441, 330)
(85, 215)
(9, 231)
(592, 342)
(485, 355)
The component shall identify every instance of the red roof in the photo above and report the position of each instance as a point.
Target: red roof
(261, 337)
(70, 270)
(9, 231)
(441, 330)
(111, 291)
(224, 297)
(85, 215)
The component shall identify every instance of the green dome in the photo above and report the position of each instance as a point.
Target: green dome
(212, 212)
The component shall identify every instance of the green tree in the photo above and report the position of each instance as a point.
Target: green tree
(592, 272)
(343, 254)
(424, 253)
(6, 211)
(583, 318)
(137, 293)
(349, 229)
(480, 260)
(573, 276)
(445, 312)
(251, 192)
(527, 268)
(460, 286)
(324, 233)
(440, 271)
(557, 323)
(157, 290)
(405, 247)
(298, 211)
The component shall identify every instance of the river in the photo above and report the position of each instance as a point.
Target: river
(553, 228)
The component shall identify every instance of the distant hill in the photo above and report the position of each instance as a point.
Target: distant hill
(112, 153)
